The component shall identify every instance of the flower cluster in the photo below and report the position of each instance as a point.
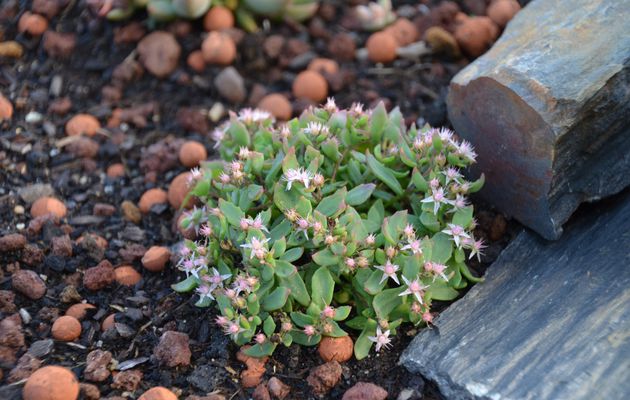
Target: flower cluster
(340, 219)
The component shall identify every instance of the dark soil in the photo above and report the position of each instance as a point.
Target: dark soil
(31, 153)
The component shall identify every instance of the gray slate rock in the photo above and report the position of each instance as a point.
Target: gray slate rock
(547, 110)
(551, 321)
(231, 85)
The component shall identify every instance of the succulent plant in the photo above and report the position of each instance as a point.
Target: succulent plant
(338, 215)
(375, 16)
(246, 10)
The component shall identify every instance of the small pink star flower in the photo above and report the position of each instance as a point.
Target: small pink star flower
(381, 339)
(389, 271)
(415, 288)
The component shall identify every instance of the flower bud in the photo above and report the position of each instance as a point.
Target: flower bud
(260, 338)
(390, 251)
(330, 239)
(363, 262)
(244, 224)
(286, 326)
(318, 180)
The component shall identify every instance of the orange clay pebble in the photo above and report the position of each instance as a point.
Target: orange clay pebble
(155, 258)
(323, 65)
(404, 31)
(218, 48)
(191, 153)
(150, 198)
(218, 18)
(336, 348)
(6, 108)
(116, 170)
(82, 124)
(33, 24)
(277, 105)
(127, 275)
(381, 47)
(475, 35)
(195, 61)
(51, 383)
(502, 11)
(48, 205)
(66, 328)
(108, 322)
(310, 85)
(178, 190)
(158, 393)
(79, 310)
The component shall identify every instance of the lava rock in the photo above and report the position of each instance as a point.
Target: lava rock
(12, 242)
(207, 377)
(324, 377)
(96, 366)
(29, 284)
(553, 130)
(547, 312)
(365, 391)
(98, 277)
(127, 380)
(173, 349)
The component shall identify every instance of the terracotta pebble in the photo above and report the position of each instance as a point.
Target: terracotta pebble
(218, 18)
(29, 284)
(150, 198)
(277, 105)
(191, 153)
(82, 124)
(33, 24)
(323, 65)
(158, 393)
(502, 11)
(51, 383)
(338, 349)
(116, 170)
(195, 61)
(6, 108)
(178, 190)
(381, 47)
(48, 205)
(404, 31)
(108, 322)
(218, 48)
(155, 258)
(126, 275)
(66, 328)
(310, 85)
(79, 310)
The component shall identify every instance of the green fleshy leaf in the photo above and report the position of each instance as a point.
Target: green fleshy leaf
(357, 323)
(384, 174)
(363, 344)
(429, 221)
(442, 248)
(374, 285)
(386, 301)
(378, 119)
(301, 319)
(285, 269)
(232, 213)
(477, 185)
(293, 254)
(261, 350)
(269, 326)
(186, 285)
(439, 291)
(342, 313)
(279, 246)
(290, 161)
(322, 287)
(276, 299)
(300, 338)
(334, 204)
(360, 194)
(297, 287)
(325, 258)
(238, 132)
(463, 217)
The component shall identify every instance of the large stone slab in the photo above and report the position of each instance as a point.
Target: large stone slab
(547, 110)
(551, 321)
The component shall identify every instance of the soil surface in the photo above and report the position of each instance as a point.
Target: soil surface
(36, 158)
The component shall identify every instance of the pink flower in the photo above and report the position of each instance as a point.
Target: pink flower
(415, 288)
(260, 338)
(309, 330)
(370, 239)
(457, 234)
(221, 320)
(409, 232)
(381, 339)
(350, 263)
(205, 291)
(206, 230)
(389, 271)
(436, 269)
(476, 247)
(437, 198)
(415, 246)
(256, 246)
(328, 312)
(427, 317)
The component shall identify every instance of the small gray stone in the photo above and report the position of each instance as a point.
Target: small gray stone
(230, 85)
(35, 191)
(41, 348)
(551, 320)
(547, 110)
(207, 377)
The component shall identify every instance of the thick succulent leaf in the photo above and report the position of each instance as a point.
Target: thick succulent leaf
(186, 285)
(232, 213)
(360, 194)
(386, 301)
(363, 344)
(276, 299)
(384, 174)
(322, 287)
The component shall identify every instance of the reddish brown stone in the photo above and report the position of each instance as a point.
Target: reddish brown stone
(59, 45)
(277, 388)
(103, 209)
(261, 393)
(32, 255)
(159, 53)
(11, 334)
(98, 277)
(89, 391)
(365, 391)
(29, 284)
(127, 380)
(7, 298)
(12, 242)
(61, 246)
(324, 377)
(97, 362)
(26, 365)
(173, 349)
(60, 106)
(130, 33)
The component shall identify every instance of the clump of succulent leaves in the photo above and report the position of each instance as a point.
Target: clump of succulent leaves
(338, 220)
(245, 10)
